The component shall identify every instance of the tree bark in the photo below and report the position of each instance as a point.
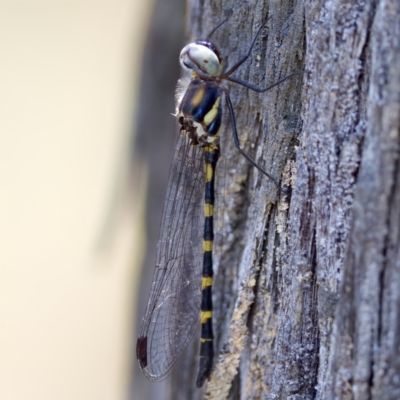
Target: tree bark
(307, 297)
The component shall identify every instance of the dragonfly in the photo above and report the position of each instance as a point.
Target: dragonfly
(181, 291)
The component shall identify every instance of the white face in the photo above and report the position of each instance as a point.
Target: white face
(202, 57)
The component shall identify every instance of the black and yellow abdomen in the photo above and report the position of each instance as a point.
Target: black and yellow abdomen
(202, 104)
(211, 155)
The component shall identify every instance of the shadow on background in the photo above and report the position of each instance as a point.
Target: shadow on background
(156, 133)
(76, 131)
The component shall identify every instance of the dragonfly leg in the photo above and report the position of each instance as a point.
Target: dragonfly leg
(237, 143)
(241, 61)
(261, 90)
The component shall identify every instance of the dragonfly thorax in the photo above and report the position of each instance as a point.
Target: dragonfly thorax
(201, 56)
(200, 111)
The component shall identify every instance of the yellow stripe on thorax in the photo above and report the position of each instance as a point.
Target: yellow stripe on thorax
(210, 116)
(205, 315)
(198, 97)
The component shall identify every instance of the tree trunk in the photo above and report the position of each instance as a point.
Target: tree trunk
(307, 298)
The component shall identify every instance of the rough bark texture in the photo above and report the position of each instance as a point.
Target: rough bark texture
(307, 299)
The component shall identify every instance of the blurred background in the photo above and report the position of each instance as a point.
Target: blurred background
(86, 136)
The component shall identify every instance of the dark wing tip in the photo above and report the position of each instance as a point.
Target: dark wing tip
(141, 351)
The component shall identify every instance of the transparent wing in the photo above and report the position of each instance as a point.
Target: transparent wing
(173, 310)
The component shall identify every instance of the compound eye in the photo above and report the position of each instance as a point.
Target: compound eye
(203, 57)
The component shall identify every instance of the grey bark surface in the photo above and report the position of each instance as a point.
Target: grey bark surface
(307, 299)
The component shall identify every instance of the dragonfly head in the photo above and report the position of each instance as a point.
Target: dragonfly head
(201, 56)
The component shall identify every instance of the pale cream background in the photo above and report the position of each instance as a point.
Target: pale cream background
(68, 75)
